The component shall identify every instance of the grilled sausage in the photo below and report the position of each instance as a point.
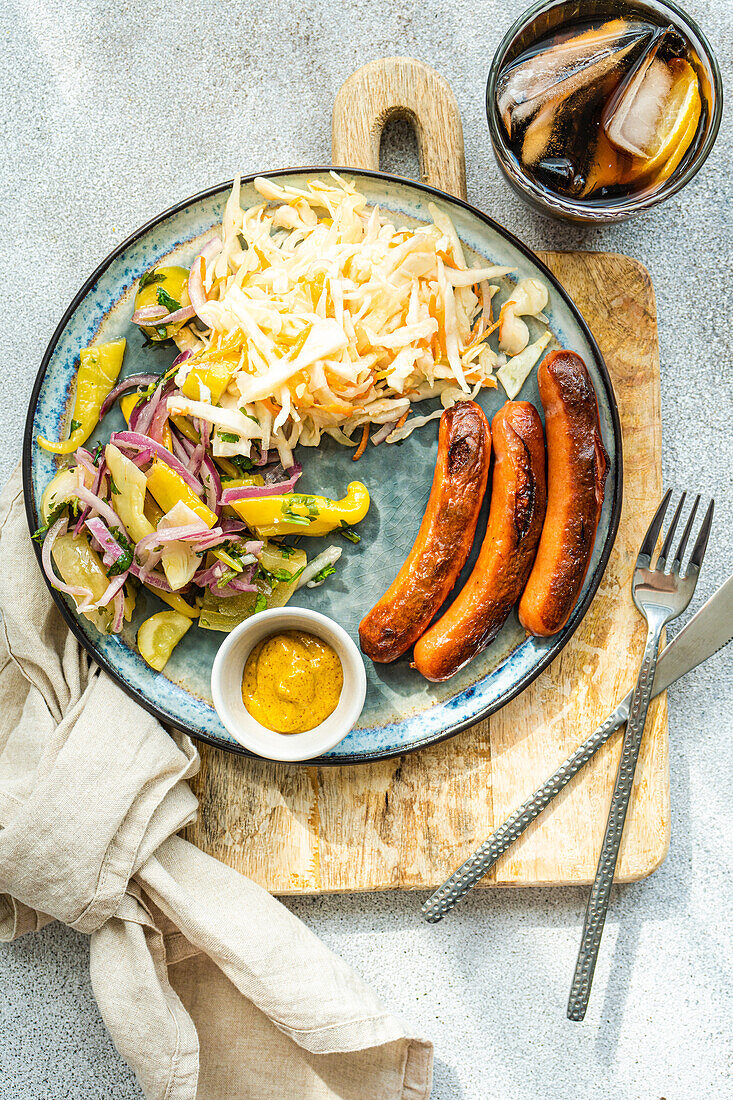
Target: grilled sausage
(576, 475)
(518, 499)
(443, 542)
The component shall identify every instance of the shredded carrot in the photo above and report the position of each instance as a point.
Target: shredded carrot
(362, 445)
(401, 420)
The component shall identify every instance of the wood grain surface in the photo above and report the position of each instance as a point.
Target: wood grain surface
(409, 822)
(400, 87)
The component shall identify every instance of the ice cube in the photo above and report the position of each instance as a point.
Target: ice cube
(632, 122)
(575, 62)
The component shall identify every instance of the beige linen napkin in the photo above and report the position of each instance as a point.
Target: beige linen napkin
(210, 988)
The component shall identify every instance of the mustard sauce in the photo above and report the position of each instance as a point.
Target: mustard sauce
(292, 682)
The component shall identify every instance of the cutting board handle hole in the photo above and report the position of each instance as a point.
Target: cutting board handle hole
(399, 153)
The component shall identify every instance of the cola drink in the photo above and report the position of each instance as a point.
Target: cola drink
(603, 109)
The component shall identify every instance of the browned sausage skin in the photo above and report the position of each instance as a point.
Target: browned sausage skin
(576, 474)
(518, 499)
(443, 542)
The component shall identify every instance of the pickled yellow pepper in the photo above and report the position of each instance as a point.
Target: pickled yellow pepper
(300, 514)
(168, 488)
(99, 368)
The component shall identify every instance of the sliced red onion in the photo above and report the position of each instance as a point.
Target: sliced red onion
(262, 460)
(168, 534)
(85, 459)
(179, 315)
(139, 442)
(212, 484)
(246, 492)
(142, 413)
(98, 505)
(143, 458)
(156, 580)
(236, 585)
(109, 544)
(204, 429)
(179, 451)
(255, 547)
(181, 358)
(158, 421)
(383, 432)
(212, 538)
(205, 576)
(59, 528)
(99, 472)
(186, 444)
(119, 615)
(129, 384)
(232, 526)
(161, 320)
(81, 521)
(110, 592)
(196, 291)
(148, 315)
(209, 578)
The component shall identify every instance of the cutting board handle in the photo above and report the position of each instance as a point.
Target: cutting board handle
(401, 87)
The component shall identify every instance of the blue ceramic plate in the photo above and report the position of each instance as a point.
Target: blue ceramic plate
(402, 711)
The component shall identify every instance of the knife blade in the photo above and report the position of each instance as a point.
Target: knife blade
(708, 630)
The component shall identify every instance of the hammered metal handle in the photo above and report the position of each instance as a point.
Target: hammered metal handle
(476, 866)
(595, 915)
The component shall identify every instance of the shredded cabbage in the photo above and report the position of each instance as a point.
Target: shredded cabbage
(332, 317)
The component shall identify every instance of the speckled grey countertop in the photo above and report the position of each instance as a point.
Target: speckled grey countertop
(113, 111)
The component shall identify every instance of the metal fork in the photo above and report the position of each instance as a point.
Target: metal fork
(660, 596)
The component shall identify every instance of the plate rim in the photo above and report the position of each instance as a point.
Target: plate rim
(580, 609)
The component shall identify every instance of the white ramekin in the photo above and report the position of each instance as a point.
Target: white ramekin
(226, 685)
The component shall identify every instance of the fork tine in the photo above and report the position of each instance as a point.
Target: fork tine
(667, 546)
(650, 539)
(685, 535)
(701, 542)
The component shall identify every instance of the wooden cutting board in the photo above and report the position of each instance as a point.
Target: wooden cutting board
(409, 822)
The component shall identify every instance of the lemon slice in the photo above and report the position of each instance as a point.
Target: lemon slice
(159, 635)
(676, 126)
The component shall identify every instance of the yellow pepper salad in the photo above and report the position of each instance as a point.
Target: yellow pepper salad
(158, 507)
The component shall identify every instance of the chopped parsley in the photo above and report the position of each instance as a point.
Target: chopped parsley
(230, 555)
(113, 486)
(224, 579)
(145, 395)
(228, 437)
(293, 517)
(348, 532)
(53, 515)
(260, 603)
(165, 299)
(124, 561)
(97, 453)
(243, 464)
(75, 425)
(283, 575)
(321, 575)
(149, 278)
(305, 502)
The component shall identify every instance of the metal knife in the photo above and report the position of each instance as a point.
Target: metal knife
(706, 632)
